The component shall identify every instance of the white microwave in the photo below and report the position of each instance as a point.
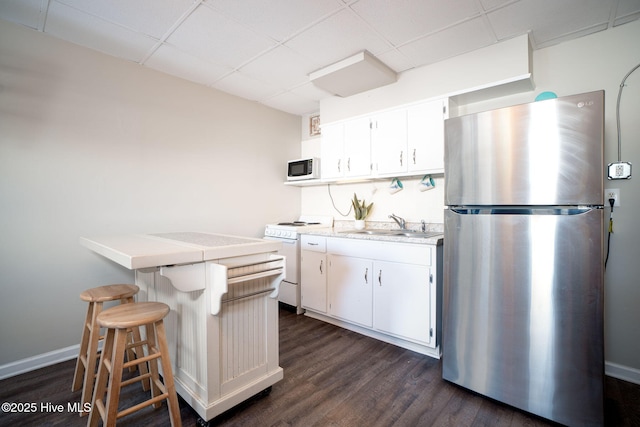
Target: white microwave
(298, 170)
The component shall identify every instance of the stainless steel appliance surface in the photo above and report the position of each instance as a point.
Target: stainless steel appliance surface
(287, 232)
(523, 256)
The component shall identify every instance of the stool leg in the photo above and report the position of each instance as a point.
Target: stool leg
(78, 376)
(131, 352)
(101, 381)
(153, 363)
(115, 379)
(89, 352)
(92, 357)
(136, 351)
(174, 407)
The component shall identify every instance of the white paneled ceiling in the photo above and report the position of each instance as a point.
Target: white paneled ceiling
(264, 50)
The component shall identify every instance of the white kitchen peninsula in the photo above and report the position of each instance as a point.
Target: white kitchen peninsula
(223, 324)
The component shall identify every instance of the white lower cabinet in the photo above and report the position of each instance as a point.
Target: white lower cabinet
(350, 285)
(313, 273)
(386, 290)
(401, 297)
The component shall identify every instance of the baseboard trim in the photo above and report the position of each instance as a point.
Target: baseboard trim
(622, 372)
(29, 364)
(39, 361)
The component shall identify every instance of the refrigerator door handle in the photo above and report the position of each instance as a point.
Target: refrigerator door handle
(522, 210)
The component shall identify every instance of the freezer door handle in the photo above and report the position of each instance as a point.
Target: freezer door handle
(523, 210)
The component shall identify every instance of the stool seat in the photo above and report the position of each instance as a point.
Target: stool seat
(131, 315)
(109, 293)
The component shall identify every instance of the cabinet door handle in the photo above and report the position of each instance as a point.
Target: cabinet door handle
(401, 152)
(349, 164)
(366, 274)
(320, 266)
(380, 277)
(339, 161)
(414, 156)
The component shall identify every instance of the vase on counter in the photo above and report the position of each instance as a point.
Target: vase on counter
(360, 210)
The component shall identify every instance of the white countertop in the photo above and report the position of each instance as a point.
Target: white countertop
(153, 250)
(355, 234)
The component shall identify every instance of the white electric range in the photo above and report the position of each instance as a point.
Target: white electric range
(289, 234)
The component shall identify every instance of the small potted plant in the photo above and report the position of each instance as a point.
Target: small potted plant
(360, 210)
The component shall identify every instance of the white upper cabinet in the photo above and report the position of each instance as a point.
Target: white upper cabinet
(425, 136)
(405, 141)
(346, 149)
(357, 147)
(389, 142)
(332, 150)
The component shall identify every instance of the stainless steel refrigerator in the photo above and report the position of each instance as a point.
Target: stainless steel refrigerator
(523, 256)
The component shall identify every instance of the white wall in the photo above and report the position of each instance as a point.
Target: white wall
(594, 62)
(94, 145)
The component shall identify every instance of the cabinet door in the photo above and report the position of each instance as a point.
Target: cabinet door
(402, 301)
(425, 136)
(313, 280)
(389, 142)
(350, 289)
(332, 151)
(357, 147)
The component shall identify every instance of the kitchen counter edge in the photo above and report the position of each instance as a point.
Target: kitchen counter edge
(342, 233)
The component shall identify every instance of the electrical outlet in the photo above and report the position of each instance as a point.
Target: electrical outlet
(612, 193)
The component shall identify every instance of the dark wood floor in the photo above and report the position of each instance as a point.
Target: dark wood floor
(333, 377)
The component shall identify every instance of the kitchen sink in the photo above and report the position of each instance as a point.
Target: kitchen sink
(405, 233)
(424, 234)
(371, 232)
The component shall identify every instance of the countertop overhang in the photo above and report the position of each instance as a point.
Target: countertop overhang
(138, 251)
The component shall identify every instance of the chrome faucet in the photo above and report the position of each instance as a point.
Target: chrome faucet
(400, 221)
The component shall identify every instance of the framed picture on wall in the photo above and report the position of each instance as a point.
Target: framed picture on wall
(314, 125)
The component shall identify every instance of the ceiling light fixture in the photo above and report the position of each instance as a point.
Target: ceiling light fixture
(352, 75)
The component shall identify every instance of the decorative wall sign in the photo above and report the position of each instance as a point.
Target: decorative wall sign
(314, 125)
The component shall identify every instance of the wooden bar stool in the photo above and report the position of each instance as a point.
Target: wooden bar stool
(118, 320)
(86, 364)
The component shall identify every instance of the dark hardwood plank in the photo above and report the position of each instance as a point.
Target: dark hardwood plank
(332, 377)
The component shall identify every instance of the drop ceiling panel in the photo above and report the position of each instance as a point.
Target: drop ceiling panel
(396, 60)
(337, 37)
(291, 103)
(627, 10)
(281, 67)
(491, 4)
(152, 17)
(548, 19)
(465, 37)
(171, 60)
(278, 19)
(246, 87)
(401, 21)
(87, 30)
(210, 35)
(25, 12)
(264, 50)
(310, 91)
